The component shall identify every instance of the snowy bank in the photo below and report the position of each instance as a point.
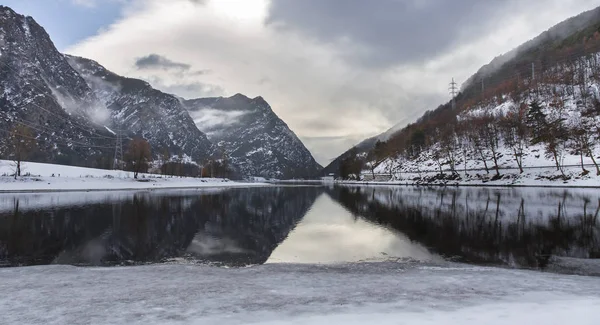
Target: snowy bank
(50, 177)
(533, 176)
(367, 293)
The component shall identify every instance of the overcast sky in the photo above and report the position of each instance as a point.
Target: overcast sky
(336, 71)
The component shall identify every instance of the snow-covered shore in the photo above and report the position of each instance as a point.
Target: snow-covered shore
(534, 177)
(364, 293)
(50, 177)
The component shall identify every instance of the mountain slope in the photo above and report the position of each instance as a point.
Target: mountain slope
(40, 90)
(253, 137)
(540, 69)
(69, 103)
(144, 111)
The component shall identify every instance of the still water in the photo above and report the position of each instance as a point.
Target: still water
(547, 229)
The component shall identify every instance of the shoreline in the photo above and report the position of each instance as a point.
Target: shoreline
(367, 183)
(116, 189)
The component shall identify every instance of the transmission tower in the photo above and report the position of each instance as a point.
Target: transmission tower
(453, 92)
(118, 151)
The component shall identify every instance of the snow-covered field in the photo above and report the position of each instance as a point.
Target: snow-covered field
(50, 177)
(367, 293)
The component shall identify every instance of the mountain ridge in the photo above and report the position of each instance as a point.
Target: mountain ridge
(497, 73)
(73, 104)
(253, 136)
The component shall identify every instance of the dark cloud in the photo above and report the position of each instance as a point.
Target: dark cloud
(155, 61)
(387, 32)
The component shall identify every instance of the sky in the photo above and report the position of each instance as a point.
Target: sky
(336, 71)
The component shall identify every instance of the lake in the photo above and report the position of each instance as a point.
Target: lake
(545, 229)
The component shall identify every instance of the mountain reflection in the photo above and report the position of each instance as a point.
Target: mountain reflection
(238, 227)
(518, 227)
(234, 227)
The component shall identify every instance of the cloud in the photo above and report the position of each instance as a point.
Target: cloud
(85, 3)
(330, 69)
(211, 121)
(185, 87)
(94, 3)
(387, 32)
(155, 61)
(320, 147)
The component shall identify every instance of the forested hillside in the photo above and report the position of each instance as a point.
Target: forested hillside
(538, 105)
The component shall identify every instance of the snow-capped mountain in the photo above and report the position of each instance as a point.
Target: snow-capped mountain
(39, 89)
(142, 110)
(71, 104)
(252, 137)
(74, 107)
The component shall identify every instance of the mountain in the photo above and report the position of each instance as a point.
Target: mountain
(566, 33)
(72, 104)
(144, 111)
(39, 89)
(75, 107)
(558, 70)
(253, 137)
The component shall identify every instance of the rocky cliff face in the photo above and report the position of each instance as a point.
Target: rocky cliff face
(141, 110)
(252, 137)
(68, 102)
(39, 89)
(74, 107)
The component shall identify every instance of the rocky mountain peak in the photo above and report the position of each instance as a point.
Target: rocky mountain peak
(256, 140)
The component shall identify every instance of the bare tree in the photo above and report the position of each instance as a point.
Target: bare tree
(138, 155)
(550, 131)
(491, 136)
(21, 144)
(449, 146)
(583, 134)
(514, 133)
(477, 141)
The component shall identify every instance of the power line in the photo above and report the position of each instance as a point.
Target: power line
(75, 145)
(46, 128)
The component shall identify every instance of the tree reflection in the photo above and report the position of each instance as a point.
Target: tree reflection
(246, 224)
(485, 226)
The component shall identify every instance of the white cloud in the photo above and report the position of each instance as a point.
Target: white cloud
(85, 3)
(308, 82)
(210, 120)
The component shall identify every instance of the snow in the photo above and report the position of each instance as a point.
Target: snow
(109, 130)
(26, 28)
(364, 293)
(510, 177)
(54, 200)
(70, 178)
(570, 103)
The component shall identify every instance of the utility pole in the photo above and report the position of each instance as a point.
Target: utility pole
(118, 151)
(453, 91)
(532, 70)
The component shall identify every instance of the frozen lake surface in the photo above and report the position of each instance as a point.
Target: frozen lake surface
(359, 293)
(301, 255)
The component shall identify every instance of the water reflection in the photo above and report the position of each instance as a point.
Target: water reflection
(331, 234)
(519, 227)
(234, 227)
